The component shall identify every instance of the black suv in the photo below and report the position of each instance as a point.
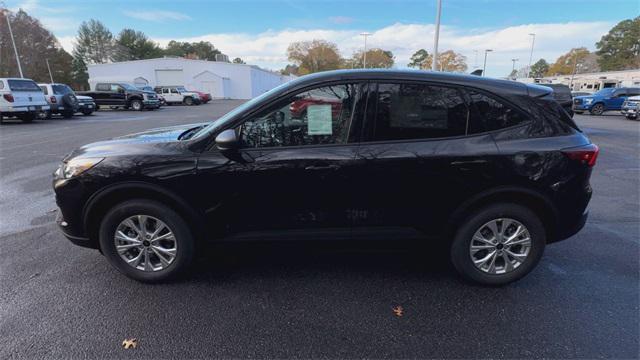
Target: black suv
(493, 169)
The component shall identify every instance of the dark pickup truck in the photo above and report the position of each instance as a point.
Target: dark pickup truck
(123, 95)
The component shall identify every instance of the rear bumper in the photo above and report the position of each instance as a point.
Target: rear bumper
(572, 228)
(24, 109)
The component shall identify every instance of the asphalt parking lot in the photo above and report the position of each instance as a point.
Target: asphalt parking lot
(333, 301)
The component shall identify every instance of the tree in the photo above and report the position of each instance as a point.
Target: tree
(418, 59)
(539, 69)
(376, 59)
(95, 43)
(238, 61)
(290, 70)
(575, 59)
(513, 74)
(620, 48)
(314, 56)
(202, 50)
(35, 46)
(135, 45)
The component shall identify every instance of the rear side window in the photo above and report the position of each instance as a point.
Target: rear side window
(487, 113)
(102, 87)
(61, 89)
(418, 111)
(23, 85)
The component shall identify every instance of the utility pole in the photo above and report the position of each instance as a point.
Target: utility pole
(15, 49)
(364, 54)
(49, 68)
(436, 37)
(533, 40)
(575, 68)
(484, 67)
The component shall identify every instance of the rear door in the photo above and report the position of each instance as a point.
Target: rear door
(416, 162)
(26, 93)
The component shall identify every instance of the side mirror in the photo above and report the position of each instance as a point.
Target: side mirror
(227, 140)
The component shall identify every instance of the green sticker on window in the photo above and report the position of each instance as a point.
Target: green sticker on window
(319, 120)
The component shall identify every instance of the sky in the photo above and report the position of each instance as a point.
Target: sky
(260, 31)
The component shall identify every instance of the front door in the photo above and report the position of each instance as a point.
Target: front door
(617, 98)
(294, 171)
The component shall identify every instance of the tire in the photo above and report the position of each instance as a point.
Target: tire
(631, 117)
(188, 101)
(461, 253)
(67, 114)
(87, 112)
(44, 115)
(27, 118)
(597, 109)
(184, 244)
(136, 105)
(578, 112)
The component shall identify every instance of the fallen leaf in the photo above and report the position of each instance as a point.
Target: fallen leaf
(398, 310)
(130, 343)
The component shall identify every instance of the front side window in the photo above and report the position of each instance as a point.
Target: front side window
(315, 117)
(488, 114)
(418, 111)
(174, 91)
(619, 93)
(115, 87)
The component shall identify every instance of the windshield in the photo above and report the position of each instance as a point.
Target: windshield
(226, 118)
(181, 89)
(61, 89)
(128, 87)
(604, 92)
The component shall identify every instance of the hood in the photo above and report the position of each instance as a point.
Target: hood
(156, 141)
(82, 97)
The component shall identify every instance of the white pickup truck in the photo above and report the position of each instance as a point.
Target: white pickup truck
(21, 98)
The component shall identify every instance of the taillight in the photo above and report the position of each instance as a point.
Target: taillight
(8, 97)
(586, 154)
(53, 99)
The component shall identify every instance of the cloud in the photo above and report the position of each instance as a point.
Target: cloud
(268, 49)
(156, 15)
(340, 20)
(50, 17)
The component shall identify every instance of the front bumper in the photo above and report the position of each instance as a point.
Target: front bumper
(151, 104)
(629, 112)
(86, 106)
(76, 237)
(581, 107)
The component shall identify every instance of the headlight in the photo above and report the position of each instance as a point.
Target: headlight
(75, 167)
(588, 101)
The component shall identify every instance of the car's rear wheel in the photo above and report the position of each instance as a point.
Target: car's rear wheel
(188, 101)
(498, 244)
(597, 109)
(146, 240)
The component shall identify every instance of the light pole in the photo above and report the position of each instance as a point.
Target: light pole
(533, 40)
(364, 54)
(436, 37)
(49, 68)
(15, 49)
(514, 66)
(484, 67)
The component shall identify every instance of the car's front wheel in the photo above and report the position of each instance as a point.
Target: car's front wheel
(136, 105)
(597, 109)
(632, 117)
(498, 244)
(146, 240)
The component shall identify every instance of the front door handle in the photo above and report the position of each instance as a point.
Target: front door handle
(469, 162)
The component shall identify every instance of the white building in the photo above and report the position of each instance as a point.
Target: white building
(592, 82)
(221, 79)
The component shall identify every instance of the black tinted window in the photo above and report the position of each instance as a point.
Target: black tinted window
(487, 114)
(102, 87)
(418, 111)
(318, 116)
(23, 85)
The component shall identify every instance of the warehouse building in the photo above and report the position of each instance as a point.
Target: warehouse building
(223, 80)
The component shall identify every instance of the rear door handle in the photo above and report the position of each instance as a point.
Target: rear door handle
(322, 167)
(469, 162)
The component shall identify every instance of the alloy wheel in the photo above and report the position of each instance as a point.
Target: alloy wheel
(145, 243)
(500, 246)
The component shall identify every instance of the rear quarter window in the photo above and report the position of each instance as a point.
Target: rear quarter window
(487, 113)
(23, 85)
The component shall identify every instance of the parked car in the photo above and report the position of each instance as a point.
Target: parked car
(86, 105)
(562, 94)
(21, 98)
(494, 169)
(62, 100)
(148, 88)
(604, 100)
(122, 95)
(178, 95)
(631, 107)
(204, 97)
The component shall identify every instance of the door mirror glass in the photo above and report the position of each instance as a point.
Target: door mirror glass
(227, 140)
